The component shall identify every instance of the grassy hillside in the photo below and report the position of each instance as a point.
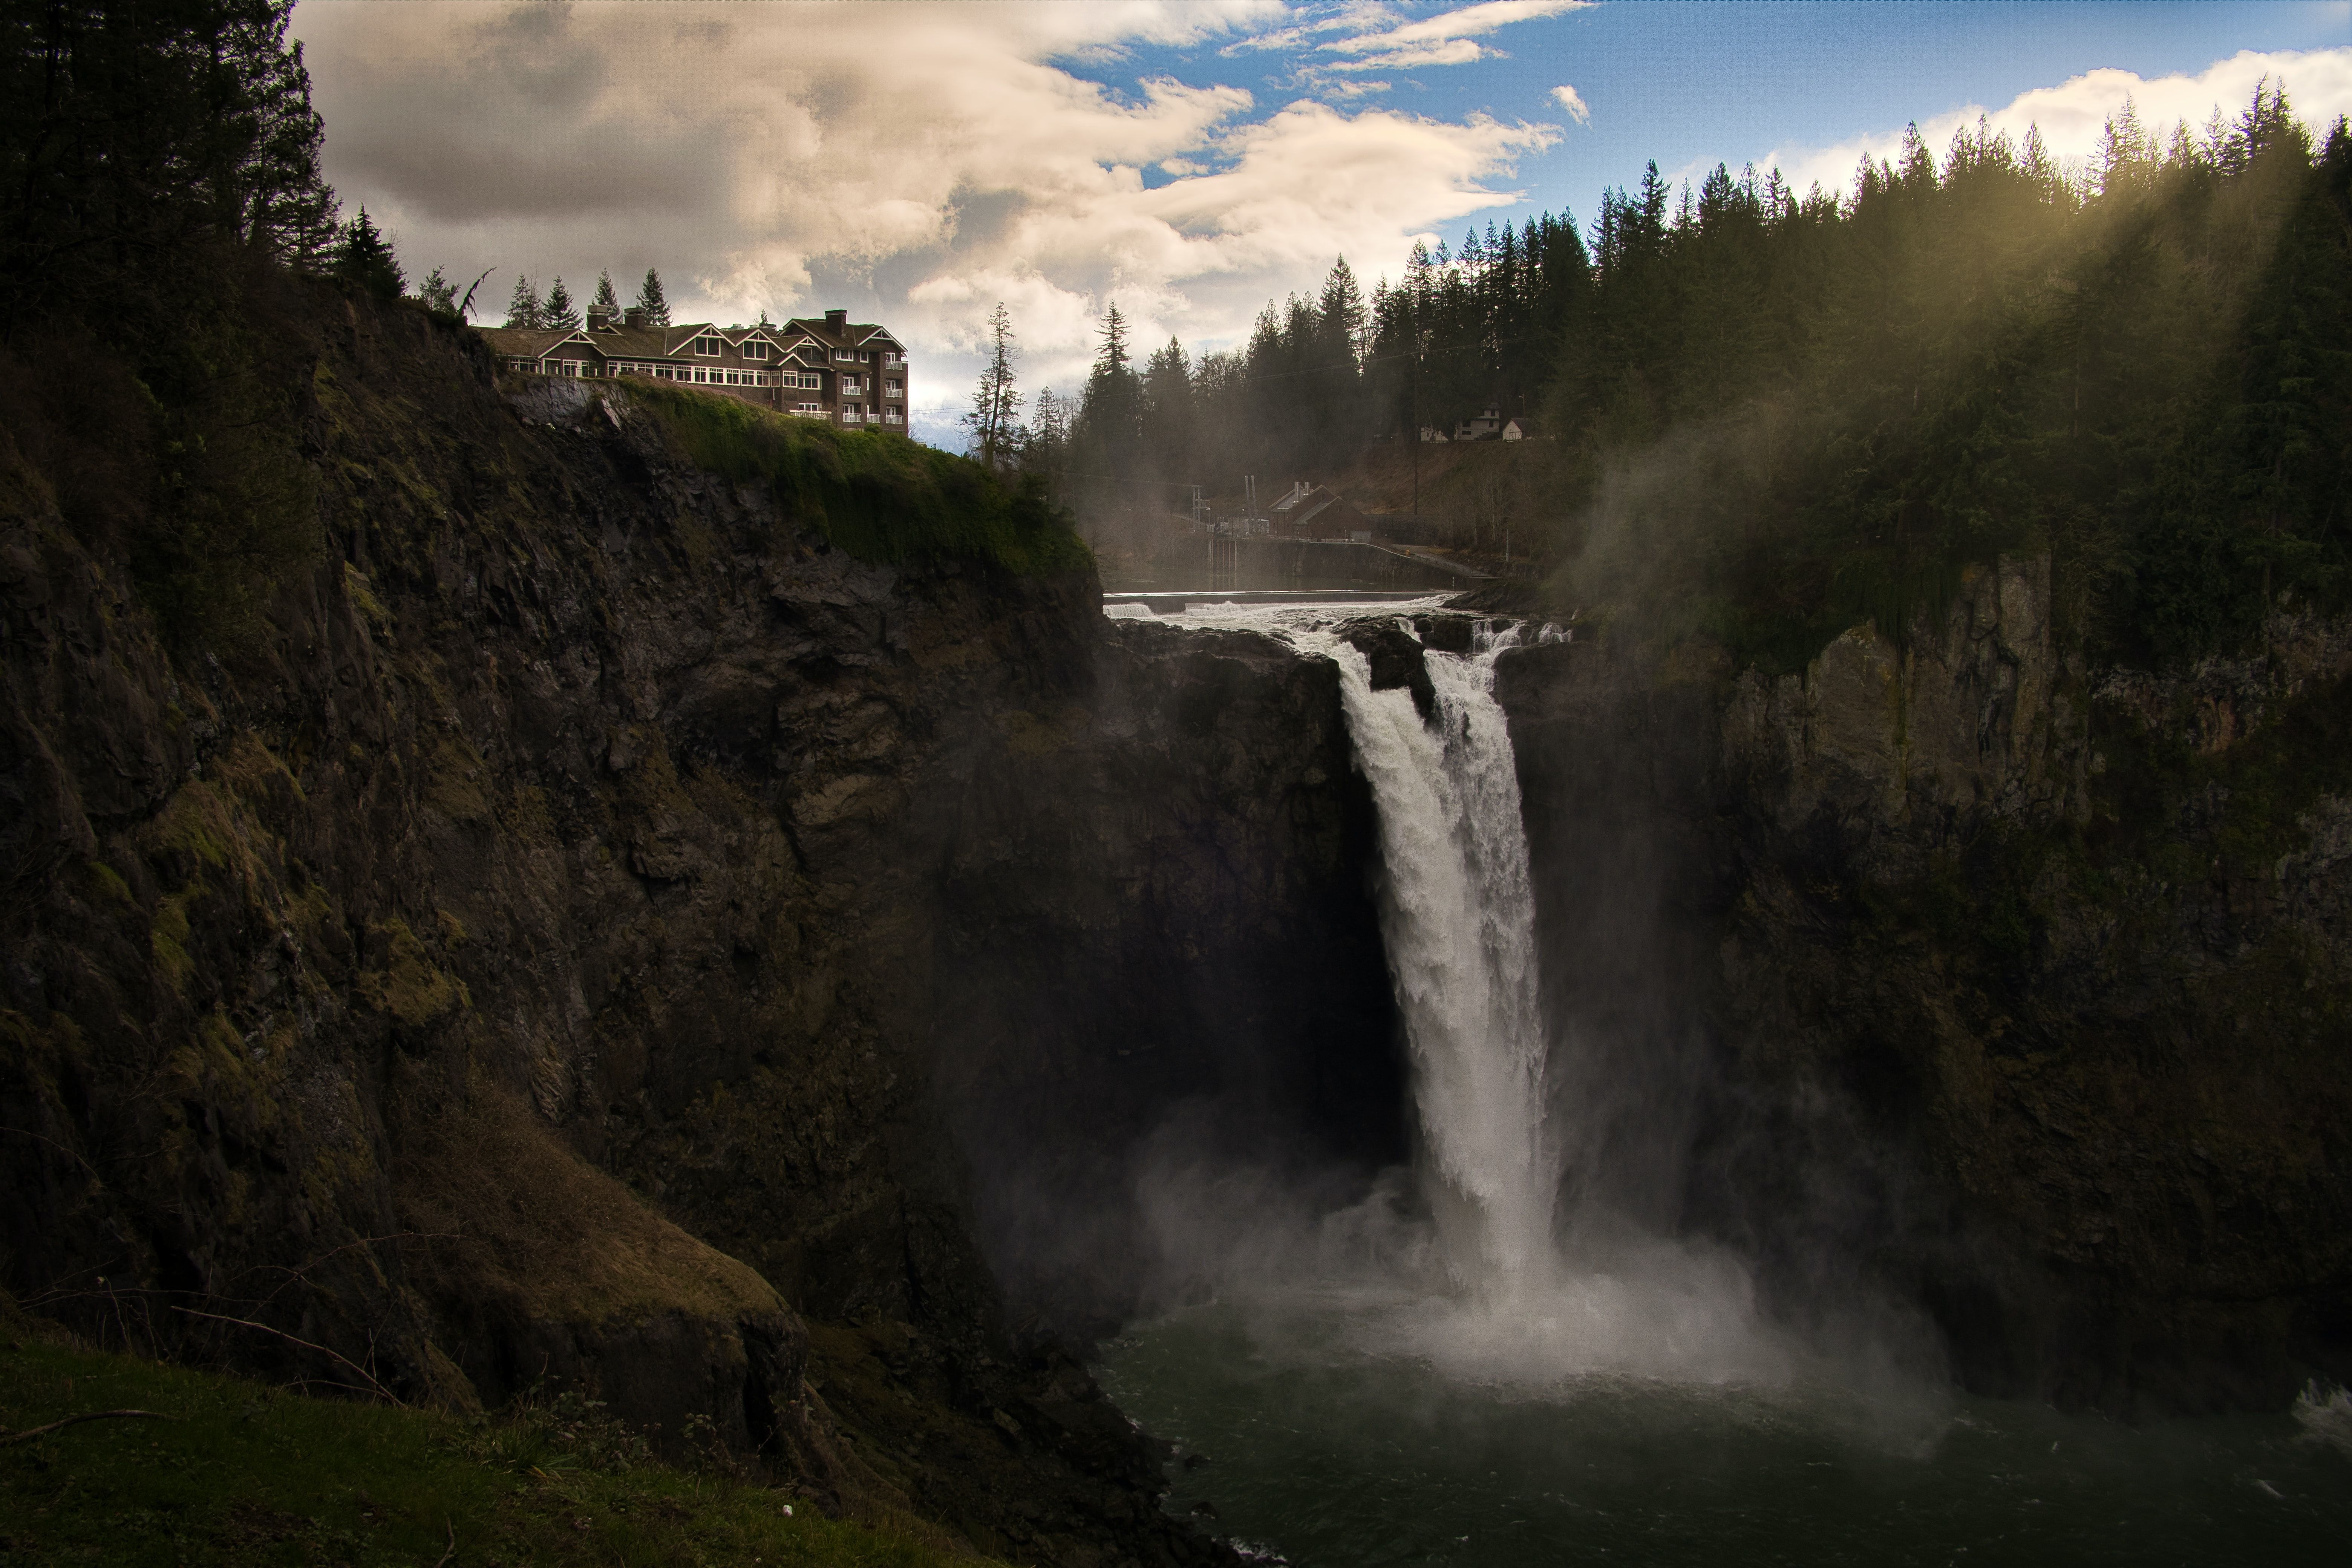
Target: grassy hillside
(241, 1473)
(880, 497)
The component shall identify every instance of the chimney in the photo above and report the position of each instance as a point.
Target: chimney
(836, 321)
(635, 316)
(600, 318)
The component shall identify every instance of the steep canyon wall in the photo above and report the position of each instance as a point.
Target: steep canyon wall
(593, 931)
(1960, 973)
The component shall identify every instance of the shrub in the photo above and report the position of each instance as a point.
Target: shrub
(879, 497)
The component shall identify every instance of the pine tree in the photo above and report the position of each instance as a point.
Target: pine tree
(650, 299)
(1113, 356)
(362, 256)
(995, 404)
(1113, 410)
(523, 305)
(1167, 409)
(558, 311)
(1045, 447)
(2126, 156)
(606, 299)
(440, 295)
(2040, 166)
(283, 199)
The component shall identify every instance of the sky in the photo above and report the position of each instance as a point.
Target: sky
(915, 162)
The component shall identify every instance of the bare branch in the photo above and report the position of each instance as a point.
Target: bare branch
(381, 1392)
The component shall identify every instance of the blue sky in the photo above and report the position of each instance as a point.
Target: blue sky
(917, 162)
(1689, 82)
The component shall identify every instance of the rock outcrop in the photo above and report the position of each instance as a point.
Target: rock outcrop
(595, 931)
(1964, 973)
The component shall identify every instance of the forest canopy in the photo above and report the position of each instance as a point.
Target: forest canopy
(159, 185)
(1765, 415)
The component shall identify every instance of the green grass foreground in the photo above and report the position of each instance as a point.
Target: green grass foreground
(242, 1473)
(880, 497)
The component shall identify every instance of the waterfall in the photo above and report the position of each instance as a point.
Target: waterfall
(1459, 919)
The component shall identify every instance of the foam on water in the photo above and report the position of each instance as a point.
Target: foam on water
(2325, 1414)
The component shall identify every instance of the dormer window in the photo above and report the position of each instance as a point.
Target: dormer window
(755, 349)
(709, 346)
(851, 355)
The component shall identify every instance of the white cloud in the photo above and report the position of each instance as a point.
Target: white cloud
(1572, 103)
(2073, 114)
(1448, 39)
(917, 162)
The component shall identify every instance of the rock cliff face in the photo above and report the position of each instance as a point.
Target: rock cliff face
(596, 931)
(1965, 973)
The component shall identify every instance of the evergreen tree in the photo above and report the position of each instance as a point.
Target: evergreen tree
(1109, 428)
(523, 305)
(995, 404)
(142, 147)
(1112, 358)
(362, 257)
(1168, 415)
(557, 309)
(606, 299)
(1336, 379)
(440, 295)
(651, 301)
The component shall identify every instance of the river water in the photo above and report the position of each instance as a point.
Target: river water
(1454, 1371)
(1338, 1453)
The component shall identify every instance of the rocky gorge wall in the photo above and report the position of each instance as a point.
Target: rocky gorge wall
(594, 931)
(1960, 973)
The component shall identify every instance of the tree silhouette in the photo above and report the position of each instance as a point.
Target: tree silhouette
(557, 309)
(651, 301)
(995, 404)
(523, 305)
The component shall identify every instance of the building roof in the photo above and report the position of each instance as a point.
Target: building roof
(1306, 502)
(847, 335)
(530, 342)
(622, 341)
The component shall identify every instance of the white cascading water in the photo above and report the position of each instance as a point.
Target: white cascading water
(1457, 918)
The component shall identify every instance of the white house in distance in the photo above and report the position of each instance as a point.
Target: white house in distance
(842, 372)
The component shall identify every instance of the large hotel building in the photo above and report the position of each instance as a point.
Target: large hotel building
(848, 372)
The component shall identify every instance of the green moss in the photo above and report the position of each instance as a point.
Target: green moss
(410, 986)
(363, 597)
(244, 1474)
(454, 768)
(108, 884)
(881, 497)
(197, 822)
(167, 937)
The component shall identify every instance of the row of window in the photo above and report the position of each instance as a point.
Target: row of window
(710, 346)
(713, 376)
(850, 415)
